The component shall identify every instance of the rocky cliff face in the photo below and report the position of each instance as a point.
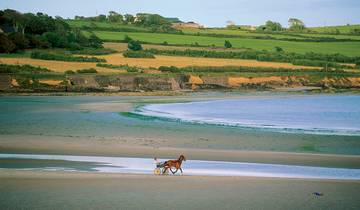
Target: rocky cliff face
(131, 83)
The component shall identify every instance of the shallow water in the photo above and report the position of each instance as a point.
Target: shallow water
(318, 114)
(71, 118)
(191, 167)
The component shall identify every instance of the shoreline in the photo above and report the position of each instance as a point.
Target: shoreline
(287, 158)
(281, 90)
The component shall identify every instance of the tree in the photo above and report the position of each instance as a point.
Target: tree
(20, 41)
(115, 17)
(6, 45)
(127, 39)
(230, 24)
(273, 26)
(56, 40)
(95, 41)
(227, 44)
(129, 19)
(100, 18)
(279, 49)
(296, 24)
(134, 45)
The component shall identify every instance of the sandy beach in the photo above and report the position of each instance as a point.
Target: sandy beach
(66, 190)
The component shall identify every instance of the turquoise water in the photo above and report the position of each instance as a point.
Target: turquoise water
(58, 118)
(191, 167)
(318, 114)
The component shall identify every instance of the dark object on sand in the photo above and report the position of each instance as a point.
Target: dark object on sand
(318, 194)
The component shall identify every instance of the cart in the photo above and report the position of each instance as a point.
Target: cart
(160, 169)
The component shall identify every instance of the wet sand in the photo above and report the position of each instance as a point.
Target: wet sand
(67, 190)
(83, 146)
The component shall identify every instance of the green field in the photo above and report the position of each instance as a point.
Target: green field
(280, 35)
(105, 25)
(345, 48)
(331, 29)
(222, 31)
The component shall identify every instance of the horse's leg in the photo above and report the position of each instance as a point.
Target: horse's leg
(174, 172)
(181, 170)
(164, 170)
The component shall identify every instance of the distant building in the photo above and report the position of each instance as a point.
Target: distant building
(187, 25)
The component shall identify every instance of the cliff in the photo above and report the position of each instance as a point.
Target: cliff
(132, 83)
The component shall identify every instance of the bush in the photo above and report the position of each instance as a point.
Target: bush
(227, 44)
(137, 54)
(259, 70)
(74, 46)
(20, 41)
(95, 42)
(37, 41)
(87, 71)
(55, 39)
(6, 45)
(94, 51)
(279, 49)
(127, 39)
(70, 72)
(61, 57)
(358, 64)
(324, 64)
(134, 45)
(120, 67)
(22, 69)
(257, 55)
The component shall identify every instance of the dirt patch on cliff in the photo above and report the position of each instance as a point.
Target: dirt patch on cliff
(236, 81)
(195, 80)
(14, 83)
(50, 81)
(355, 81)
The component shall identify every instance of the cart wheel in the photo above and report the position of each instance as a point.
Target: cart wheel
(157, 171)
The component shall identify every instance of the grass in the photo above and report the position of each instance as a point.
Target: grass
(25, 54)
(280, 35)
(345, 48)
(330, 29)
(105, 25)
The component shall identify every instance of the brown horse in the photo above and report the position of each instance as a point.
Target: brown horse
(170, 164)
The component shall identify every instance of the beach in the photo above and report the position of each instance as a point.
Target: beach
(105, 126)
(59, 190)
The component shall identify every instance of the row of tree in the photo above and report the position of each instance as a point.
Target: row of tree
(23, 31)
(144, 19)
(294, 23)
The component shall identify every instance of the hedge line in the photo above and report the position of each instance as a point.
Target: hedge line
(258, 55)
(138, 54)
(94, 51)
(269, 37)
(61, 57)
(21, 69)
(130, 69)
(241, 69)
